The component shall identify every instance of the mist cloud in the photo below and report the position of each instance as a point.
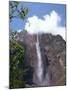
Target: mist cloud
(50, 23)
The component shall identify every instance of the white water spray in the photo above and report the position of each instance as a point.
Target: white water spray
(39, 66)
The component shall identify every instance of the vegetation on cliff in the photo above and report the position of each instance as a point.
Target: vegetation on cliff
(17, 51)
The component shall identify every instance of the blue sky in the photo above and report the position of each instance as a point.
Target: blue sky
(39, 9)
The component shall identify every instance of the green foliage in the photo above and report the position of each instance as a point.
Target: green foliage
(12, 34)
(15, 12)
(17, 70)
(24, 13)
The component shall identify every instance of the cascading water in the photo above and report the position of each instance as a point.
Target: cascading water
(40, 79)
(39, 65)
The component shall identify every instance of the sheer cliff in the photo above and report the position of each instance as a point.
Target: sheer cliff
(53, 53)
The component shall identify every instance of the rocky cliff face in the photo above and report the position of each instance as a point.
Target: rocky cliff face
(53, 52)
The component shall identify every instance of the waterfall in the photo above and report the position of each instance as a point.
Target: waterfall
(40, 79)
(39, 64)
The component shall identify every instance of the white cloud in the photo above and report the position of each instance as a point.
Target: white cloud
(19, 30)
(49, 24)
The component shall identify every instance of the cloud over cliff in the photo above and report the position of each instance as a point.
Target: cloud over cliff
(50, 23)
